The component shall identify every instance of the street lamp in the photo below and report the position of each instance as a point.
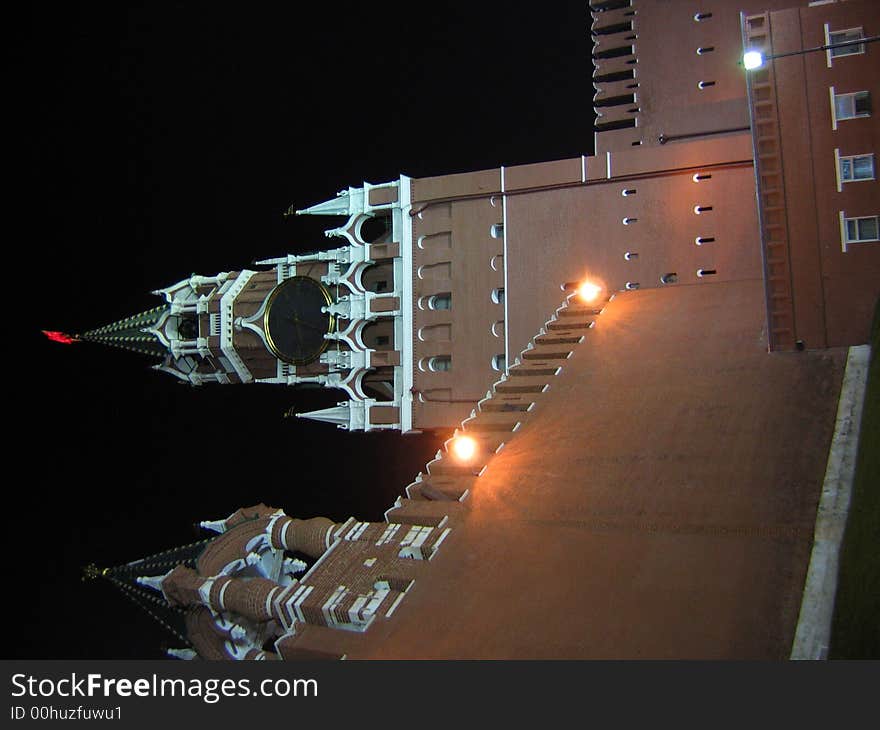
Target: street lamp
(589, 291)
(464, 448)
(753, 59)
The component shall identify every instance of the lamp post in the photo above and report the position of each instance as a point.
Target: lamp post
(755, 59)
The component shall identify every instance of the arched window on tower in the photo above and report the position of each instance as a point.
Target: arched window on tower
(440, 363)
(440, 301)
(435, 332)
(498, 295)
(187, 327)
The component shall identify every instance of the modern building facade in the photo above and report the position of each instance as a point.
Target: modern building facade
(646, 442)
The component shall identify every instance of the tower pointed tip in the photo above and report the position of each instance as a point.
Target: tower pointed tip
(92, 571)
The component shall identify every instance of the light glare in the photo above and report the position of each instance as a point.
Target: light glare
(588, 291)
(464, 448)
(752, 60)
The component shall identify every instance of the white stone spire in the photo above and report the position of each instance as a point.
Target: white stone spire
(341, 414)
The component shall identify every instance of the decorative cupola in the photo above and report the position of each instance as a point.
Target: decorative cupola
(205, 593)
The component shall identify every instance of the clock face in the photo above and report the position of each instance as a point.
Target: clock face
(294, 323)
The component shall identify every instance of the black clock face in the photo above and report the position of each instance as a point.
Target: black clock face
(294, 323)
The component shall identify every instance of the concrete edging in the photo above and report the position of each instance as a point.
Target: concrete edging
(813, 633)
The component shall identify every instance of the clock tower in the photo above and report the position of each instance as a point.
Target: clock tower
(337, 318)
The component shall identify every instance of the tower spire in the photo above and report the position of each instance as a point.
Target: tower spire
(132, 333)
(248, 556)
(140, 582)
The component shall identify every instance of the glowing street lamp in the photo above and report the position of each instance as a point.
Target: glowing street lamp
(589, 291)
(753, 59)
(464, 448)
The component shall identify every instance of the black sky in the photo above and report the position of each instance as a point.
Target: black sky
(154, 140)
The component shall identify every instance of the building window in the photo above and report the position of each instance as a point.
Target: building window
(498, 295)
(499, 362)
(842, 36)
(856, 167)
(497, 230)
(860, 230)
(440, 363)
(852, 106)
(440, 301)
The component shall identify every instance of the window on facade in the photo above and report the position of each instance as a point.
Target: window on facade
(842, 36)
(440, 363)
(499, 362)
(187, 328)
(861, 229)
(498, 295)
(497, 230)
(440, 301)
(857, 167)
(851, 106)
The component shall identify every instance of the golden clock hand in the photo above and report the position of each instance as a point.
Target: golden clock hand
(297, 320)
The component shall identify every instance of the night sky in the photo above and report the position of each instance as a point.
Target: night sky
(155, 140)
